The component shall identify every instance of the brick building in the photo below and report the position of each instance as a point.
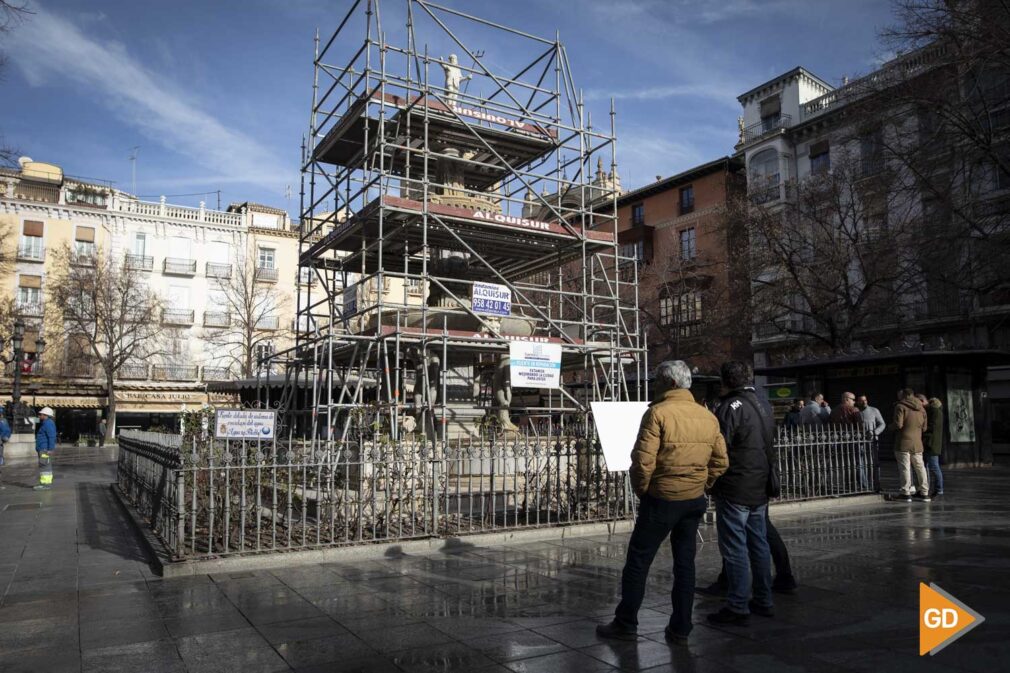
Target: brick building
(691, 264)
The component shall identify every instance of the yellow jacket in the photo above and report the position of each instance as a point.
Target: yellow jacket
(680, 451)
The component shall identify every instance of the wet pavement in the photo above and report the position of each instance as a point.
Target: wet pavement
(77, 595)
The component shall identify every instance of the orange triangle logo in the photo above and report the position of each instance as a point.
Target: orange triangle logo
(942, 619)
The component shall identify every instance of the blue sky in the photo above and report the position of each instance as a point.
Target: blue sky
(217, 94)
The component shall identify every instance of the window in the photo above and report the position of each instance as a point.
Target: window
(31, 240)
(871, 153)
(638, 214)
(682, 312)
(262, 351)
(84, 242)
(636, 251)
(688, 245)
(764, 176)
(29, 291)
(820, 158)
(305, 275)
(686, 199)
(266, 258)
(771, 113)
(140, 244)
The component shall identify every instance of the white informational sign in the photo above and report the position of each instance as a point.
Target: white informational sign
(491, 299)
(617, 426)
(535, 365)
(244, 424)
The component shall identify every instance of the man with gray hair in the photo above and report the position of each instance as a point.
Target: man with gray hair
(679, 454)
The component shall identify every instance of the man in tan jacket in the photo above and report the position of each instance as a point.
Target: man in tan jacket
(679, 454)
(909, 423)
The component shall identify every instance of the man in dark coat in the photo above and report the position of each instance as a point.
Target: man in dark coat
(741, 498)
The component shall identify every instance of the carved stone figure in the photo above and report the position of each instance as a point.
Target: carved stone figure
(454, 78)
(501, 385)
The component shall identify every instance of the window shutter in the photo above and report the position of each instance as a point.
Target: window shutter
(32, 228)
(85, 234)
(771, 106)
(30, 281)
(31, 337)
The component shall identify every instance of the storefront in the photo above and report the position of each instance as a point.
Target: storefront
(959, 379)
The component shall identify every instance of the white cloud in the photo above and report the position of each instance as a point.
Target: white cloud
(52, 50)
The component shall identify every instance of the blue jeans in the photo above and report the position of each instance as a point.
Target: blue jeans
(743, 543)
(935, 475)
(657, 520)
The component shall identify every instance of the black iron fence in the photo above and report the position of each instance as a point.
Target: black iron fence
(216, 497)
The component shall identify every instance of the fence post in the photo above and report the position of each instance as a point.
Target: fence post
(180, 512)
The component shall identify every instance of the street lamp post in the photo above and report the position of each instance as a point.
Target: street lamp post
(19, 418)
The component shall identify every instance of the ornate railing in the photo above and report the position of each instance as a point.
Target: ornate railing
(216, 319)
(179, 267)
(267, 274)
(176, 317)
(140, 262)
(174, 373)
(216, 497)
(216, 270)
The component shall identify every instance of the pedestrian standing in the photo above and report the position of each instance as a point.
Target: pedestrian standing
(5, 435)
(816, 411)
(910, 422)
(103, 427)
(678, 455)
(45, 444)
(933, 444)
(741, 498)
(795, 414)
(872, 418)
(846, 413)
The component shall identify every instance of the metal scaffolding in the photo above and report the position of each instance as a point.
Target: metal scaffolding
(424, 173)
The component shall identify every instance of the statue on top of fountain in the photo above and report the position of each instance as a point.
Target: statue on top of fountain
(454, 78)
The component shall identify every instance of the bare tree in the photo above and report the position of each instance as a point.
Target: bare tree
(109, 312)
(836, 260)
(251, 310)
(947, 97)
(689, 310)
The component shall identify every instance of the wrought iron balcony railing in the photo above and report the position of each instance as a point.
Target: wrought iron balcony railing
(177, 317)
(179, 267)
(216, 374)
(140, 262)
(766, 126)
(216, 319)
(29, 309)
(174, 373)
(215, 270)
(267, 274)
(270, 322)
(133, 373)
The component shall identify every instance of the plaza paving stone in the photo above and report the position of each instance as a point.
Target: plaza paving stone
(77, 594)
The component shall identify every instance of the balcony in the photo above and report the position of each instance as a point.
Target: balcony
(174, 373)
(216, 374)
(29, 191)
(216, 319)
(83, 258)
(870, 166)
(28, 309)
(173, 266)
(132, 373)
(28, 368)
(79, 370)
(139, 262)
(765, 194)
(215, 270)
(31, 253)
(268, 323)
(266, 274)
(176, 317)
(767, 126)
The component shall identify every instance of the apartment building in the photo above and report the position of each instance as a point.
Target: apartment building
(187, 255)
(691, 264)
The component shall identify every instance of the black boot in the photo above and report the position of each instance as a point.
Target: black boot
(617, 631)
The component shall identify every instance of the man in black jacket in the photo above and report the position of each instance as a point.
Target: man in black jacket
(741, 498)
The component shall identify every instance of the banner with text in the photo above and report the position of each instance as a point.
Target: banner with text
(244, 424)
(535, 365)
(491, 299)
